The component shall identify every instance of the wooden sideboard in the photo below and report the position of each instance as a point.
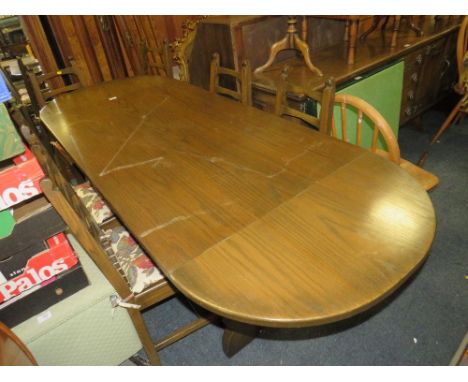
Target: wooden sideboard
(429, 60)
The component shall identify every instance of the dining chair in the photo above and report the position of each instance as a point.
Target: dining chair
(157, 60)
(396, 27)
(461, 108)
(367, 117)
(323, 96)
(41, 88)
(13, 352)
(138, 282)
(241, 81)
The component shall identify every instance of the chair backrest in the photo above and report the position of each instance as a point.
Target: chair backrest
(243, 80)
(43, 93)
(324, 96)
(462, 58)
(378, 124)
(13, 352)
(157, 60)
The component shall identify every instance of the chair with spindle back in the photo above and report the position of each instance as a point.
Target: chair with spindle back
(243, 80)
(157, 60)
(13, 352)
(461, 108)
(369, 118)
(42, 90)
(323, 96)
(137, 281)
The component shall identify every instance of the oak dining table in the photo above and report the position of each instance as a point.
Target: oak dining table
(257, 219)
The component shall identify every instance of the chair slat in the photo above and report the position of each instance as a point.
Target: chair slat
(380, 126)
(343, 122)
(333, 128)
(38, 82)
(375, 136)
(243, 79)
(359, 128)
(228, 92)
(157, 60)
(324, 122)
(229, 72)
(299, 114)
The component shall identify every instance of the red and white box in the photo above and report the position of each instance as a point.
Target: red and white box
(20, 181)
(58, 258)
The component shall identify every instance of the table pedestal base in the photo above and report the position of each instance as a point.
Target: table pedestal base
(236, 336)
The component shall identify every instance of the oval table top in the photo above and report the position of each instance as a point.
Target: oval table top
(253, 217)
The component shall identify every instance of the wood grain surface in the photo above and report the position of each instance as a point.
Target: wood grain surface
(255, 218)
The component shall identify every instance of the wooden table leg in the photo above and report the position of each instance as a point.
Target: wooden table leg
(353, 28)
(236, 336)
(396, 29)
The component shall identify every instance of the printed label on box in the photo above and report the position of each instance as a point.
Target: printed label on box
(41, 267)
(20, 182)
(44, 316)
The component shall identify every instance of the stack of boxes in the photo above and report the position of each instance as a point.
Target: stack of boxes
(37, 264)
(52, 295)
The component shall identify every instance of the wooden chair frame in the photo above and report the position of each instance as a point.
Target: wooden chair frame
(243, 80)
(43, 95)
(64, 199)
(161, 61)
(13, 352)
(396, 27)
(461, 108)
(324, 96)
(381, 127)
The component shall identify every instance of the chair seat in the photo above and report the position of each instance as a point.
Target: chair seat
(425, 178)
(137, 267)
(98, 209)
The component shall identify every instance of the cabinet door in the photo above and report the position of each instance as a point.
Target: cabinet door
(412, 76)
(448, 69)
(429, 82)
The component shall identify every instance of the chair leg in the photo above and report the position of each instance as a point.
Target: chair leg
(459, 119)
(144, 336)
(448, 121)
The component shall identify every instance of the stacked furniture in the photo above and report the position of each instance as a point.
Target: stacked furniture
(428, 60)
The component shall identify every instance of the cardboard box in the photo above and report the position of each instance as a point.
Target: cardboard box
(57, 258)
(43, 296)
(19, 180)
(32, 225)
(47, 278)
(80, 330)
